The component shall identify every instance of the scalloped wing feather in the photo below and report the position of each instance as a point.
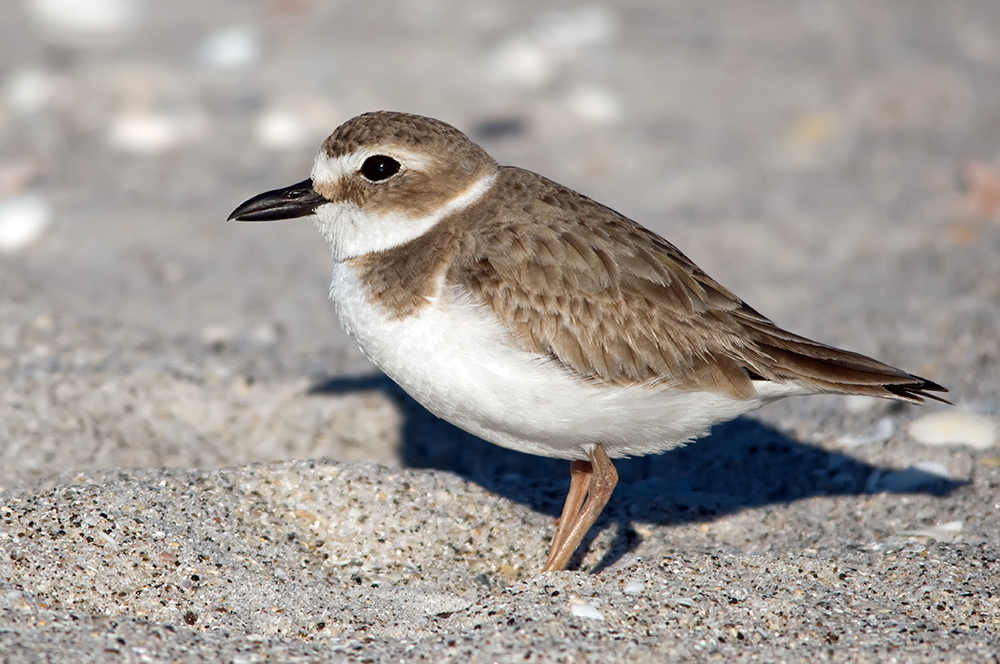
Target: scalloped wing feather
(615, 303)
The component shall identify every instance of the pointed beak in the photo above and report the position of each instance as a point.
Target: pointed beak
(298, 200)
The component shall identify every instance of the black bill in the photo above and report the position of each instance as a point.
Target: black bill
(298, 200)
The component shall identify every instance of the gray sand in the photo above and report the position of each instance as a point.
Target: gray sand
(197, 465)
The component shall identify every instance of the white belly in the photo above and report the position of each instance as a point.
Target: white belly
(456, 360)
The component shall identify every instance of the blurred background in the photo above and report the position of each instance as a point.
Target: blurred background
(835, 163)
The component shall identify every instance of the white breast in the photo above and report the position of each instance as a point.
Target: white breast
(455, 358)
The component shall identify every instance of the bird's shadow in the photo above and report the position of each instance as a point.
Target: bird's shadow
(741, 464)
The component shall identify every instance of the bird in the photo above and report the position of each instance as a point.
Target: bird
(538, 319)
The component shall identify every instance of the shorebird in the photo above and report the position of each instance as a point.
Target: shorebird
(537, 318)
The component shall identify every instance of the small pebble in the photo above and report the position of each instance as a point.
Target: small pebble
(217, 334)
(23, 220)
(29, 90)
(279, 129)
(683, 601)
(933, 468)
(582, 609)
(920, 476)
(232, 47)
(147, 131)
(594, 104)
(858, 403)
(881, 432)
(530, 58)
(437, 603)
(954, 428)
(85, 23)
(939, 531)
(144, 132)
(265, 333)
(634, 588)
(577, 28)
(522, 62)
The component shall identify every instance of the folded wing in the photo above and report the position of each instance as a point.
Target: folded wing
(615, 303)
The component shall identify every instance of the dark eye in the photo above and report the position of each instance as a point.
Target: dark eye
(379, 167)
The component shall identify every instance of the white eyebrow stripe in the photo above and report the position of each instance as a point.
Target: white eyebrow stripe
(327, 169)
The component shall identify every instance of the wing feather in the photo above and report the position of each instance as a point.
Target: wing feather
(615, 303)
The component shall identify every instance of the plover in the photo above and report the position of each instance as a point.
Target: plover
(536, 318)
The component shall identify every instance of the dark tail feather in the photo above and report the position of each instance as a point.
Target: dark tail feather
(787, 356)
(919, 390)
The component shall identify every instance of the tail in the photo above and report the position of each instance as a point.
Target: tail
(779, 355)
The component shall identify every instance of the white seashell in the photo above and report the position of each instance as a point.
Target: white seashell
(582, 609)
(634, 588)
(279, 129)
(939, 531)
(23, 220)
(85, 23)
(880, 433)
(954, 428)
(144, 132)
(594, 104)
(233, 47)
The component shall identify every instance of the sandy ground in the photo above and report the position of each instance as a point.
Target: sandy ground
(197, 464)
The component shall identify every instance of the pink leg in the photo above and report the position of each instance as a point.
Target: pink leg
(597, 482)
(579, 473)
